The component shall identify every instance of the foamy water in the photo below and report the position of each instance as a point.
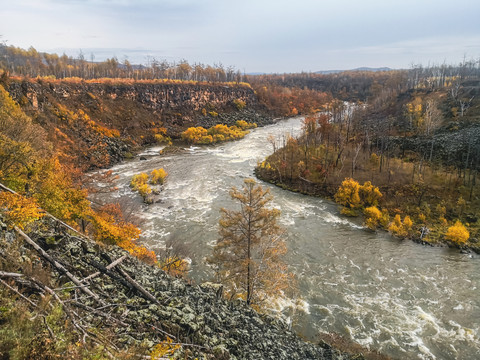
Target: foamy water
(408, 301)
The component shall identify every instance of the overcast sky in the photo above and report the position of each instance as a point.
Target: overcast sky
(252, 35)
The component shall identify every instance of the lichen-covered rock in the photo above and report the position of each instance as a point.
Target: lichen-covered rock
(197, 315)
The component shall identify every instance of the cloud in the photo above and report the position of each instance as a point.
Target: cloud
(267, 35)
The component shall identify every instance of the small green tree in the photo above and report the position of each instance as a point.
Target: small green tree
(248, 254)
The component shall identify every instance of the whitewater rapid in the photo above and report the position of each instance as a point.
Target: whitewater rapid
(404, 299)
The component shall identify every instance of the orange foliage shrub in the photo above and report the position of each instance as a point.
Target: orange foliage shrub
(103, 130)
(175, 266)
(110, 227)
(52, 186)
(19, 210)
(140, 252)
(164, 349)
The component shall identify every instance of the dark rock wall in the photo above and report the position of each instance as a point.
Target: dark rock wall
(184, 98)
(136, 110)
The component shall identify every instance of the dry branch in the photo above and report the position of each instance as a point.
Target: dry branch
(109, 267)
(58, 266)
(138, 287)
(18, 293)
(8, 274)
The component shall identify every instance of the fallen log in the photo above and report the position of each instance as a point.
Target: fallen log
(111, 274)
(138, 287)
(108, 267)
(58, 266)
(8, 274)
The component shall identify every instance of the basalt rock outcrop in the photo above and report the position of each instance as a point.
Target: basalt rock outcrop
(98, 124)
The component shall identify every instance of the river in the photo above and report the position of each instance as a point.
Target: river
(403, 299)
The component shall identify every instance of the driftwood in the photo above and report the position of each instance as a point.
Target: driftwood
(58, 266)
(99, 313)
(126, 280)
(111, 274)
(8, 274)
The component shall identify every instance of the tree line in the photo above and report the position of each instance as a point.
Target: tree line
(32, 63)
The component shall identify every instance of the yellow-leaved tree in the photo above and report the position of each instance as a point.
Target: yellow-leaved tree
(348, 196)
(369, 194)
(373, 216)
(248, 255)
(354, 196)
(457, 233)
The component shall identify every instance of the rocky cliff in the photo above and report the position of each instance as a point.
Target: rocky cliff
(98, 123)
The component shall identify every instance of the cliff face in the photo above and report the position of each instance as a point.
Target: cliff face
(98, 123)
(161, 98)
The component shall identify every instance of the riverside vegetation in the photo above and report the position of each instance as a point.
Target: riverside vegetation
(413, 145)
(400, 138)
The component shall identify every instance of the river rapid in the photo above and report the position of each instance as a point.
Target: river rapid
(403, 299)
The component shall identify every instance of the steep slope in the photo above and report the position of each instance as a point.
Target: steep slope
(97, 123)
(138, 305)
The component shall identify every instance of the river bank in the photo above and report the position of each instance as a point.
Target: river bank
(365, 286)
(309, 188)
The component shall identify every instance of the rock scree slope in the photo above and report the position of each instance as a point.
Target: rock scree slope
(144, 304)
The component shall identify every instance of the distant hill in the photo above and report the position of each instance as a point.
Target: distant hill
(326, 72)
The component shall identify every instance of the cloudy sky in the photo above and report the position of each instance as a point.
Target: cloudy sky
(251, 35)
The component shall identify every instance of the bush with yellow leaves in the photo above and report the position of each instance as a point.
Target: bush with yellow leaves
(457, 233)
(348, 196)
(399, 228)
(164, 349)
(174, 266)
(19, 210)
(373, 217)
(354, 196)
(158, 176)
(369, 194)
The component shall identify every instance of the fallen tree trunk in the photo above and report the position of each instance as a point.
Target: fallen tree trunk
(59, 266)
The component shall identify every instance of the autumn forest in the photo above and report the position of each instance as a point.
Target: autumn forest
(397, 150)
